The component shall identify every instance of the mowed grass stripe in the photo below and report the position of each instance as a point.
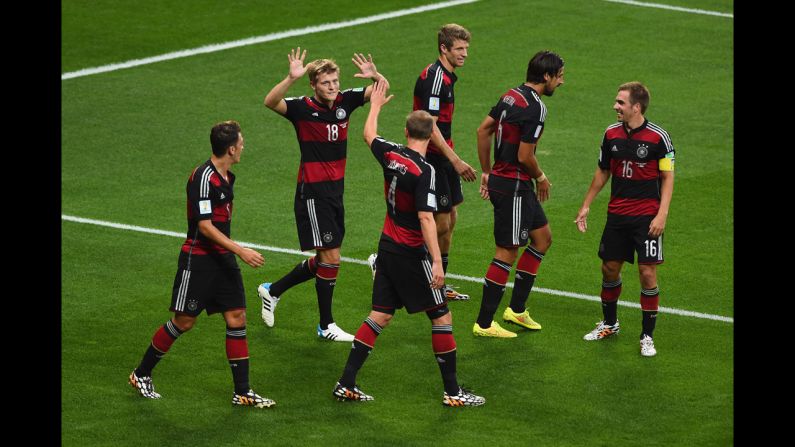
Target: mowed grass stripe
(673, 8)
(624, 303)
(261, 39)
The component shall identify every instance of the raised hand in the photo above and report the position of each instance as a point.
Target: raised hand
(366, 66)
(297, 68)
(378, 98)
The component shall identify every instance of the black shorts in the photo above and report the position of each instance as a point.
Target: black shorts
(515, 216)
(404, 281)
(214, 290)
(625, 235)
(448, 183)
(320, 222)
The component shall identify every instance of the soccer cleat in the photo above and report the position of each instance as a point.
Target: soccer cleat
(647, 346)
(144, 386)
(492, 331)
(602, 331)
(371, 263)
(334, 333)
(252, 399)
(464, 398)
(268, 303)
(350, 394)
(523, 319)
(452, 295)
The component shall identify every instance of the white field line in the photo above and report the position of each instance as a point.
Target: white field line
(120, 226)
(673, 8)
(260, 39)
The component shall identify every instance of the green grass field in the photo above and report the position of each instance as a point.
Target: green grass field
(131, 137)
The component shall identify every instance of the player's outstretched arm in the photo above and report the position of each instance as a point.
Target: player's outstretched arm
(274, 100)
(377, 100)
(368, 70)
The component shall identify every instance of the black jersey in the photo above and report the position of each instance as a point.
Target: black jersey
(409, 187)
(520, 116)
(433, 92)
(209, 197)
(635, 160)
(323, 139)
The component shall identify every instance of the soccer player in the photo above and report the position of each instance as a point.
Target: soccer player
(321, 125)
(409, 272)
(638, 154)
(208, 277)
(433, 92)
(517, 120)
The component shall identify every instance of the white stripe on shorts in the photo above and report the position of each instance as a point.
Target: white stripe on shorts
(310, 206)
(517, 218)
(437, 293)
(183, 291)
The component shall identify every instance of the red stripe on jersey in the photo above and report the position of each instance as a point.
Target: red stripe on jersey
(403, 236)
(519, 99)
(424, 73)
(404, 201)
(321, 171)
(508, 170)
(221, 213)
(312, 104)
(446, 111)
(633, 207)
(641, 170)
(394, 160)
(215, 180)
(436, 150)
(648, 136)
(202, 248)
(314, 131)
(511, 133)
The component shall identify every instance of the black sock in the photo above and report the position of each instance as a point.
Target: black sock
(444, 348)
(649, 302)
(325, 280)
(493, 288)
(237, 354)
(304, 271)
(444, 262)
(363, 343)
(525, 277)
(610, 293)
(164, 337)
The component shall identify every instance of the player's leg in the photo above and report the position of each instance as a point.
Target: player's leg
(444, 350)
(493, 289)
(611, 291)
(650, 254)
(527, 268)
(363, 344)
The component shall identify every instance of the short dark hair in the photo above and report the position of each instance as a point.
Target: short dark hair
(449, 33)
(544, 62)
(638, 94)
(223, 135)
(419, 125)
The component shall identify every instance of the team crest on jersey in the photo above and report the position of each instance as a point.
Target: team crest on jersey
(327, 237)
(643, 151)
(341, 113)
(192, 305)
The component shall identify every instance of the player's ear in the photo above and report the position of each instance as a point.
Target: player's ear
(406, 132)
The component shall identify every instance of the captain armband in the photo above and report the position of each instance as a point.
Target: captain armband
(667, 163)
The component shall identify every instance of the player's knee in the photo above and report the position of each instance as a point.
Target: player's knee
(236, 318)
(648, 276)
(382, 319)
(439, 312)
(183, 322)
(610, 272)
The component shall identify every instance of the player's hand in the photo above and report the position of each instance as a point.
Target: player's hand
(582, 219)
(438, 275)
(251, 257)
(484, 186)
(366, 67)
(378, 98)
(297, 68)
(464, 170)
(542, 189)
(657, 226)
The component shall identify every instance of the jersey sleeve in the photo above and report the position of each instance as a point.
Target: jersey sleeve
(532, 123)
(380, 146)
(604, 154)
(199, 202)
(353, 98)
(425, 193)
(294, 107)
(429, 91)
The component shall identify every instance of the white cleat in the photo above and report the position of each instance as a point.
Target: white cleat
(334, 333)
(371, 263)
(268, 303)
(647, 346)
